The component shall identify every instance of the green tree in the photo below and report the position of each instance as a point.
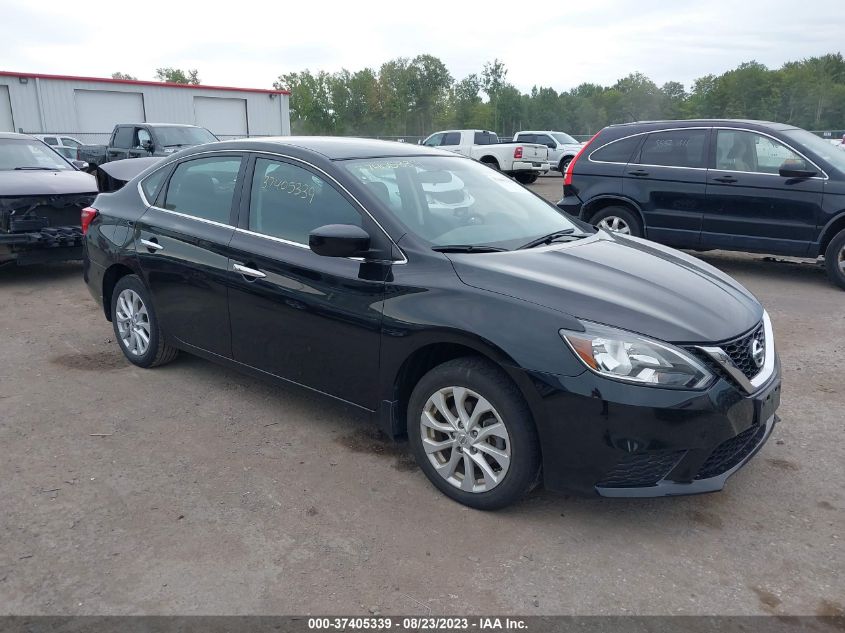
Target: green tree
(493, 77)
(120, 75)
(178, 76)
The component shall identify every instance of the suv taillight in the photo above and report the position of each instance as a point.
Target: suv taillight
(88, 214)
(517, 152)
(567, 177)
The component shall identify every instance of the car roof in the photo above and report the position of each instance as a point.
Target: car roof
(156, 124)
(14, 135)
(709, 122)
(338, 147)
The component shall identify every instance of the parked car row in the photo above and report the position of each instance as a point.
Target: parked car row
(510, 342)
(715, 184)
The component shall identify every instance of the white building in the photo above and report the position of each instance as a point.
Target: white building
(88, 108)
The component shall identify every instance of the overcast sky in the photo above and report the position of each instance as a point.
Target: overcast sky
(558, 44)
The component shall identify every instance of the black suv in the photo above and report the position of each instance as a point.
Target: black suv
(715, 184)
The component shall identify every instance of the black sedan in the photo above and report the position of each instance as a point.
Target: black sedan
(511, 343)
(41, 195)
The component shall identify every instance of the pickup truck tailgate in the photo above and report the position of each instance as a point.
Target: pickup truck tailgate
(534, 152)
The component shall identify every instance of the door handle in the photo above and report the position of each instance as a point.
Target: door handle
(152, 245)
(638, 172)
(725, 179)
(246, 271)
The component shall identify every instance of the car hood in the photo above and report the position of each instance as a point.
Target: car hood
(45, 183)
(623, 282)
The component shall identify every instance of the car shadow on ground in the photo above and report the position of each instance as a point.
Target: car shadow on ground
(12, 275)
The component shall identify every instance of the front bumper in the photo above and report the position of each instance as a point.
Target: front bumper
(600, 436)
(48, 244)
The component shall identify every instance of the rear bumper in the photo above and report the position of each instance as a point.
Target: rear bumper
(49, 244)
(540, 167)
(570, 204)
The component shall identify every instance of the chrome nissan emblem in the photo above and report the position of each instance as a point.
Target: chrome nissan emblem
(758, 352)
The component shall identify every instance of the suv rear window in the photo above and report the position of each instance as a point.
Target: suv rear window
(674, 148)
(617, 151)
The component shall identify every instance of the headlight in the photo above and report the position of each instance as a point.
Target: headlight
(627, 356)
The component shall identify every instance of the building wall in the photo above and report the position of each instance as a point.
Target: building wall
(48, 105)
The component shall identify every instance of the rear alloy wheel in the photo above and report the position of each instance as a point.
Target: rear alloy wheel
(472, 434)
(136, 326)
(618, 219)
(834, 259)
(564, 163)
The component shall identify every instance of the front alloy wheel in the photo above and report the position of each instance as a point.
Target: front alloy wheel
(465, 439)
(472, 433)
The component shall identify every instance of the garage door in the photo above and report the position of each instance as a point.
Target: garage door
(6, 122)
(101, 110)
(221, 116)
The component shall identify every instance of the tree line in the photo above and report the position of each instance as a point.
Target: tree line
(414, 97)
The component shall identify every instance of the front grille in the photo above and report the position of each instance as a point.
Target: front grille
(731, 452)
(740, 351)
(640, 469)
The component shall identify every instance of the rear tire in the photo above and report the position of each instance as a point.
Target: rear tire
(136, 325)
(492, 434)
(491, 163)
(834, 259)
(622, 218)
(564, 163)
(525, 179)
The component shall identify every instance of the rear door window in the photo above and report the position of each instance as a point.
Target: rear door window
(51, 140)
(483, 138)
(204, 188)
(675, 148)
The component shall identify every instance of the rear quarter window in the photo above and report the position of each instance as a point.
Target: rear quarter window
(151, 185)
(617, 151)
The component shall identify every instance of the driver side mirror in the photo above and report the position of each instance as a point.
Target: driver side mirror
(81, 165)
(339, 240)
(147, 145)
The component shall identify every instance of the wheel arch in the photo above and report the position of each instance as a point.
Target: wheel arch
(490, 159)
(426, 357)
(113, 274)
(831, 230)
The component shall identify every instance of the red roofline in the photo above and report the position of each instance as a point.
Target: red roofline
(135, 82)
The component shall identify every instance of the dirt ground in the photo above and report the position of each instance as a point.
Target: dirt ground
(193, 489)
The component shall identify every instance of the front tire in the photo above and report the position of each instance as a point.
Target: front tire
(136, 325)
(472, 434)
(834, 259)
(618, 219)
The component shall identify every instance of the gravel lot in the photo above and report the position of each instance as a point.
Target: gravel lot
(193, 489)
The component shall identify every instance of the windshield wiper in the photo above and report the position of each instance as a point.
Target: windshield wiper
(37, 168)
(468, 248)
(551, 237)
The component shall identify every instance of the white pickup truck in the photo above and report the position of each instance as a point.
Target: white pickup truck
(524, 161)
(562, 147)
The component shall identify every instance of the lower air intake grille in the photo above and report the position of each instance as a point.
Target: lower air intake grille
(637, 470)
(731, 452)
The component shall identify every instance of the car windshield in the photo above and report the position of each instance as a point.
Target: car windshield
(819, 146)
(177, 136)
(560, 137)
(24, 153)
(457, 201)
